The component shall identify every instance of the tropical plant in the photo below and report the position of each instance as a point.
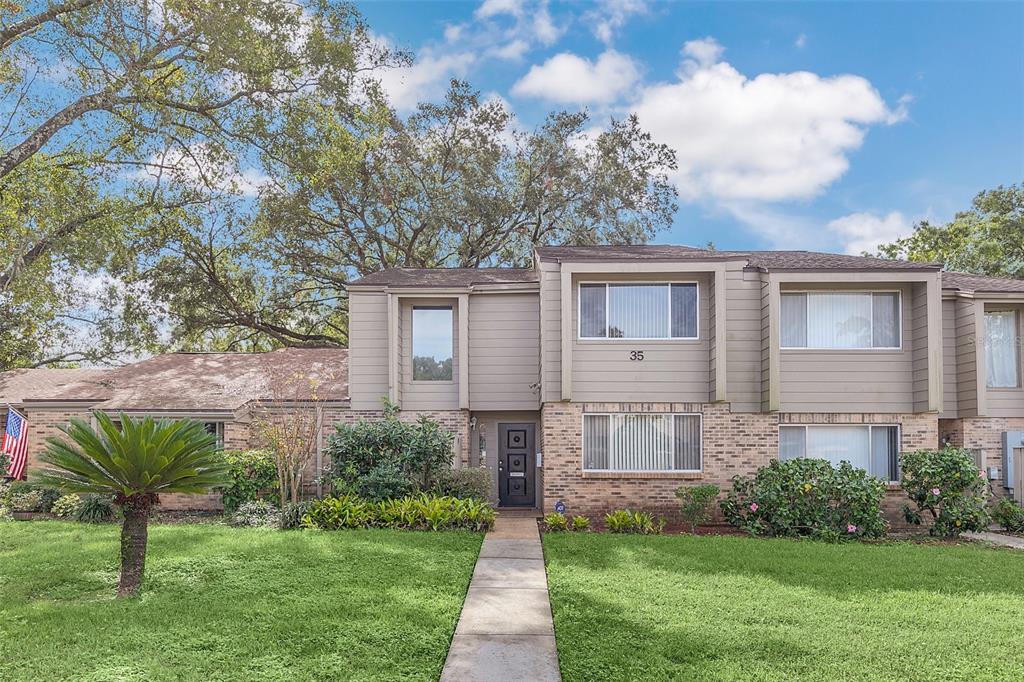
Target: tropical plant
(66, 506)
(948, 486)
(134, 462)
(95, 509)
(253, 476)
(807, 497)
(1009, 515)
(555, 522)
(579, 524)
(420, 512)
(640, 522)
(696, 503)
(293, 513)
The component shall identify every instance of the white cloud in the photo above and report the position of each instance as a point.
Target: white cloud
(772, 137)
(453, 32)
(801, 40)
(570, 79)
(611, 15)
(511, 51)
(428, 76)
(493, 8)
(202, 165)
(864, 232)
(544, 27)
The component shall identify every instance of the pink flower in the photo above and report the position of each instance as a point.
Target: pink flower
(981, 473)
(753, 506)
(850, 528)
(936, 491)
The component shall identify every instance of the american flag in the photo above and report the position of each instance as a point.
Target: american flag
(16, 444)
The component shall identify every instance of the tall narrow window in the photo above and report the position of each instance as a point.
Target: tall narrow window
(432, 343)
(642, 442)
(638, 311)
(1002, 349)
(840, 320)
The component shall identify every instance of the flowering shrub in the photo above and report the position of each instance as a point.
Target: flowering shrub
(807, 497)
(947, 486)
(422, 512)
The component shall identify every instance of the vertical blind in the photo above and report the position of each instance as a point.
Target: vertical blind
(638, 311)
(872, 448)
(642, 442)
(840, 320)
(1001, 349)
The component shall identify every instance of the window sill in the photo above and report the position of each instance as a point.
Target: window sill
(678, 475)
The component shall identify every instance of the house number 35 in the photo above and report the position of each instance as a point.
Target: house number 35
(636, 355)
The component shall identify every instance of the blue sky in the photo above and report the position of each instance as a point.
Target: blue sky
(798, 125)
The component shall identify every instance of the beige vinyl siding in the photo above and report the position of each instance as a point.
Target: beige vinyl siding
(712, 345)
(743, 334)
(368, 349)
(504, 351)
(851, 380)
(551, 331)
(950, 405)
(919, 343)
(672, 369)
(966, 359)
(1008, 402)
(427, 395)
(766, 346)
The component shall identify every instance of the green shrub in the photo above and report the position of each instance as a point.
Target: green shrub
(421, 512)
(555, 522)
(253, 475)
(5, 461)
(580, 524)
(66, 506)
(96, 509)
(626, 521)
(257, 514)
(807, 497)
(947, 485)
(469, 483)
(696, 503)
(388, 457)
(25, 501)
(1009, 515)
(293, 513)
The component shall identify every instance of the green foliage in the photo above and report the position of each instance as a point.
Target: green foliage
(293, 513)
(422, 512)
(389, 458)
(987, 240)
(25, 501)
(1009, 515)
(947, 485)
(253, 476)
(580, 524)
(639, 522)
(807, 497)
(257, 514)
(471, 482)
(95, 509)
(555, 522)
(66, 506)
(5, 461)
(696, 503)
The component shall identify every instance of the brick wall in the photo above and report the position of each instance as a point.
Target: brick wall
(985, 433)
(734, 444)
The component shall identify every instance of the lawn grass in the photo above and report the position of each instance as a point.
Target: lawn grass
(223, 603)
(734, 608)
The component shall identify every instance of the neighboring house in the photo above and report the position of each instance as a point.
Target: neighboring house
(224, 390)
(607, 377)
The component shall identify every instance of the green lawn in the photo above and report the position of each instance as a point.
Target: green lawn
(732, 608)
(222, 603)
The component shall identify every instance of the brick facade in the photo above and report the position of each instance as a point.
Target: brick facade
(986, 434)
(734, 444)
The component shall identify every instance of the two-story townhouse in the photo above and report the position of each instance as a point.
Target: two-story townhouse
(609, 376)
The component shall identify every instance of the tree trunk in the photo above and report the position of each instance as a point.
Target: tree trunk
(134, 535)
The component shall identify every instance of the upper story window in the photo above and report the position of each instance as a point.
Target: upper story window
(432, 343)
(638, 311)
(1002, 344)
(841, 320)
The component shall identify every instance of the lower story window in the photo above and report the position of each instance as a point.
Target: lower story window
(217, 429)
(642, 442)
(870, 447)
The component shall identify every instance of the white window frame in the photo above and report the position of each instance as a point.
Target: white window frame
(412, 343)
(1017, 348)
(870, 427)
(672, 437)
(899, 313)
(606, 337)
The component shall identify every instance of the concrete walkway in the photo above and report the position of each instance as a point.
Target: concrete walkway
(505, 632)
(997, 539)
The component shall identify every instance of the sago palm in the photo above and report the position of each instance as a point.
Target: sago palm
(134, 463)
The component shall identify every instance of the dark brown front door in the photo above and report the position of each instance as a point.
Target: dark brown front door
(516, 467)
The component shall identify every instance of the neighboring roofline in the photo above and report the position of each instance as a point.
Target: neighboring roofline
(488, 287)
(656, 259)
(918, 268)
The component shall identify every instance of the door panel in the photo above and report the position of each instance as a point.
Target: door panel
(517, 472)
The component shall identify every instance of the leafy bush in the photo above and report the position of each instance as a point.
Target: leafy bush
(807, 497)
(948, 486)
(421, 512)
(696, 503)
(25, 501)
(469, 483)
(388, 457)
(626, 521)
(66, 506)
(580, 524)
(293, 513)
(253, 476)
(5, 462)
(555, 522)
(95, 509)
(257, 514)
(1009, 515)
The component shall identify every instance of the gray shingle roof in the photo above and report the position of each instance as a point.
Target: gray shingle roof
(447, 277)
(815, 260)
(963, 281)
(630, 252)
(17, 385)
